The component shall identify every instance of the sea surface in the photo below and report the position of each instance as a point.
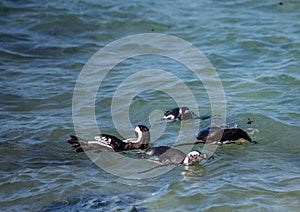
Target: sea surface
(254, 47)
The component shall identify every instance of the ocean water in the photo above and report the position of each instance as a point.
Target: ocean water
(254, 48)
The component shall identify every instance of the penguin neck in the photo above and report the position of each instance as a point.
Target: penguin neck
(186, 161)
(142, 142)
(131, 145)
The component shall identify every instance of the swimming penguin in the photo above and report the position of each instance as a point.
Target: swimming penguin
(218, 135)
(166, 156)
(113, 143)
(181, 113)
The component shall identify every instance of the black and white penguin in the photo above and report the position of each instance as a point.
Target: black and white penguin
(181, 113)
(165, 155)
(218, 135)
(113, 143)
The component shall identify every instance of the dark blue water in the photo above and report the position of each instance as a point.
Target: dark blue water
(254, 48)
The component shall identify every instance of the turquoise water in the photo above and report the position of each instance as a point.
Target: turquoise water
(254, 47)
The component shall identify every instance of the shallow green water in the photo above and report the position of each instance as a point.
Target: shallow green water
(253, 45)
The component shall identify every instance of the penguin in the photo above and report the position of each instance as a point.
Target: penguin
(165, 155)
(113, 143)
(218, 135)
(180, 114)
